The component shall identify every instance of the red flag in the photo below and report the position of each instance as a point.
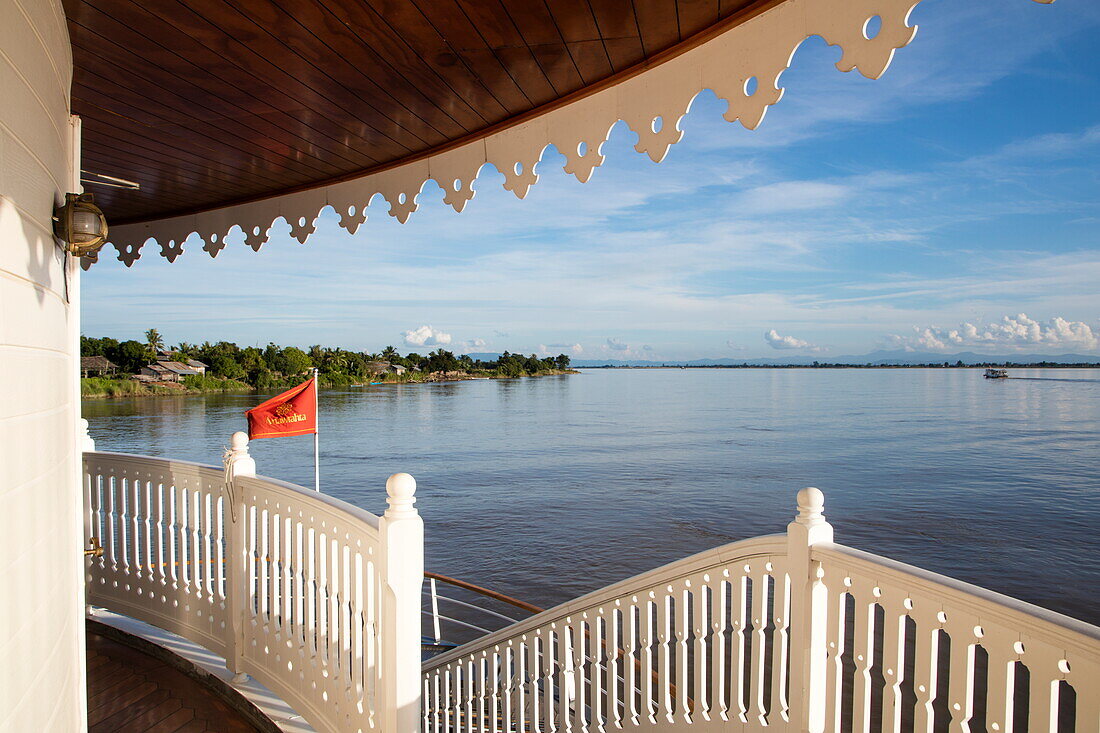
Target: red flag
(294, 412)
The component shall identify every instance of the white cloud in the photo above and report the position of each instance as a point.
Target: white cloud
(1011, 332)
(786, 342)
(616, 345)
(791, 196)
(472, 344)
(427, 336)
(555, 349)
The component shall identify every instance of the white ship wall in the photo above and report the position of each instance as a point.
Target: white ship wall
(42, 675)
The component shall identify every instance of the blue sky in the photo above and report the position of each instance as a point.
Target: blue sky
(952, 205)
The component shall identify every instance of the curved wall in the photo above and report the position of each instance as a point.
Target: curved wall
(42, 660)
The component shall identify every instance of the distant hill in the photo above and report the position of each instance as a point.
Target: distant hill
(875, 358)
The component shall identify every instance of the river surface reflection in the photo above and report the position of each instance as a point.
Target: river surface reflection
(547, 488)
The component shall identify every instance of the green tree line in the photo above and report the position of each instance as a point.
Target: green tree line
(274, 366)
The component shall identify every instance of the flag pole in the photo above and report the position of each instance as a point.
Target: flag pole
(317, 428)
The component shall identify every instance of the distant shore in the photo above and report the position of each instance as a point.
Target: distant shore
(998, 365)
(107, 388)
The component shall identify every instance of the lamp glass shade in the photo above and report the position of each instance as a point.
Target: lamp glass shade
(86, 225)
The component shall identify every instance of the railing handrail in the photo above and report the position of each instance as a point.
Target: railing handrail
(1006, 610)
(765, 545)
(309, 494)
(488, 593)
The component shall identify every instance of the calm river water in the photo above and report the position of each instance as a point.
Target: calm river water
(547, 488)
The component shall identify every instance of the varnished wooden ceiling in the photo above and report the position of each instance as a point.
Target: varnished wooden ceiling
(212, 102)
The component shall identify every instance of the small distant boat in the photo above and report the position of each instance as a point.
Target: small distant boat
(996, 374)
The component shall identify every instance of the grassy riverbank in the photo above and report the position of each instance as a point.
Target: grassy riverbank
(104, 387)
(94, 387)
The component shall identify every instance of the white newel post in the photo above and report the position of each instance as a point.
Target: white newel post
(403, 574)
(809, 613)
(237, 462)
(86, 445)
(86, 442)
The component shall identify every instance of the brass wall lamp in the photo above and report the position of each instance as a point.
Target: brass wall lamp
(94, 548)
(80, 224)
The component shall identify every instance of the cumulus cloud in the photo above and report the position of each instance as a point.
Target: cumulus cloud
(427, 336)
(647, 347)
(553, 349)
(575, 348)
(616, 345)
(502, 334)
(786, 342)
(732, 345)
(1011, 332)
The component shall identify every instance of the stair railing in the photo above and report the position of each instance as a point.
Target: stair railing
(782, 632)
(315, 598)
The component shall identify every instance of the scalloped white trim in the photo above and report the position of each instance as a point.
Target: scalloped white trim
(652, 104)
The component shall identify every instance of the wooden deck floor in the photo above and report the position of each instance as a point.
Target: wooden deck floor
(132, 692)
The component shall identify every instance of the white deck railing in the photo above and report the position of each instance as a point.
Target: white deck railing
(785, 632)
(315, 598)
(320, 601)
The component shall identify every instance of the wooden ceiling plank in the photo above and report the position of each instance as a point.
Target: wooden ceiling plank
(657, 23)
(277, 36)
(405, 22)
(188, 57)
(103, 131)
(108, 159)
(695, 15)
(541, 35)
(396, 55)
(221, 54)
(240, 42)
(615, 18)
(188, 103)
(624, 52)
(468, 44)
(132, 50)
(558, 65)
(528, 73)
(576, 23)
(618, 28)
(575, 20)
(729, 7)
(325, 43)
(592, 58)
(156, 185)
(152, 109)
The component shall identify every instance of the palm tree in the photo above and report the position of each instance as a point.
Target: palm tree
(155, 341)
(390, 354)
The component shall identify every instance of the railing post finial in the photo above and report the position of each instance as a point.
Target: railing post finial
(86, 442)
(401, 494)
(237, 460)
(811, 507)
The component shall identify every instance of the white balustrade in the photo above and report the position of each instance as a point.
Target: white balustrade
(786, 633)
(315, 598)
(320, 601)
